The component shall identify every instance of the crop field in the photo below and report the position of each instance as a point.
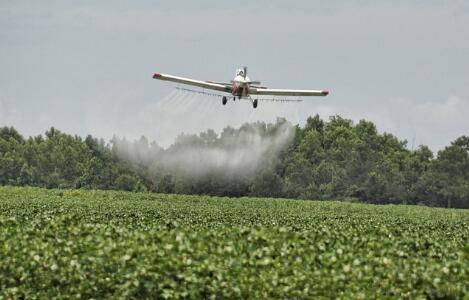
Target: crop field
(97, 244)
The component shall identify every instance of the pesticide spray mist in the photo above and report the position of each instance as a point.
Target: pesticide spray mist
(197, 137)
(232, 154)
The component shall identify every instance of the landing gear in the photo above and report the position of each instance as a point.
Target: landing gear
(224, 100)
(254, 103)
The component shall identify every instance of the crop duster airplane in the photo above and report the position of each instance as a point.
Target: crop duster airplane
(241, 86)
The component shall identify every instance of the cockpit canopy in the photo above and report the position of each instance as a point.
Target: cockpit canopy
(240, 72)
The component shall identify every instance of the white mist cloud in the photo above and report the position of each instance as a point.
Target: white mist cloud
(232, 154)
(238, 155)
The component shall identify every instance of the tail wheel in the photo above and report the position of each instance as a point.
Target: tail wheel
(224, 100)
(254, 103)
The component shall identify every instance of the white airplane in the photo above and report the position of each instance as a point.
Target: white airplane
(241, 86)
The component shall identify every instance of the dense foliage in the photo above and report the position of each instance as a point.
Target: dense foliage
(106, 244)
(322, 160)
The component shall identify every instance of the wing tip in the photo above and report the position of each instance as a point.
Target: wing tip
(157, 75)
(325, 92)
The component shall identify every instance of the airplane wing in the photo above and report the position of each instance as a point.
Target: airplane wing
(193, 82)
(282, 92)
(219, 82)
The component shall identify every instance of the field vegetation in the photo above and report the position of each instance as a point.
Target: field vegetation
(99, 244)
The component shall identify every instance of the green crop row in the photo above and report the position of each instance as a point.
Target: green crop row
(96, 244)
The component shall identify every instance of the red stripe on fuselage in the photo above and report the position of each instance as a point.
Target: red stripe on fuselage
(235, 89)
(238, 90)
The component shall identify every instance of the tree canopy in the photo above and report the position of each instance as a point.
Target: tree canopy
(333, 159)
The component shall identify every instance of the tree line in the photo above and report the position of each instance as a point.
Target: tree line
(322, 160)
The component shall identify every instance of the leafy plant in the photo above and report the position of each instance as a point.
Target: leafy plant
(100, 244)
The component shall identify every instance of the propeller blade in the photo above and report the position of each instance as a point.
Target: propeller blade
(245, 72)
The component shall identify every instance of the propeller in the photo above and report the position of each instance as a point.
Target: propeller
(251, 81)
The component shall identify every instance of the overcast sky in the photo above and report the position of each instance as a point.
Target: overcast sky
(85, 67)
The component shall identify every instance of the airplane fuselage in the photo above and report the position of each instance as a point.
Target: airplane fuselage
(240, 86)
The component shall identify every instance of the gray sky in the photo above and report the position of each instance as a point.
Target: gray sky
(85, 66)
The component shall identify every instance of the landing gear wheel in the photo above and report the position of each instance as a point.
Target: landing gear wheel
(224, 100)
(234, 98)
(254, 103)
